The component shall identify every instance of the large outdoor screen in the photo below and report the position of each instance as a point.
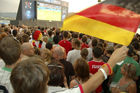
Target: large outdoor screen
(48, 12)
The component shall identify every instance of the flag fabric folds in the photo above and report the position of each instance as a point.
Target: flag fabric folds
(105, 21)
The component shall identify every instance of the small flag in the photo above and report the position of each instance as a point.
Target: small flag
(109, 20)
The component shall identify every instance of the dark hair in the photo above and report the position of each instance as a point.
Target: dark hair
(25, 38)
(39, 27)
(30, 76)
(100, 45)
(94, 42)
(81, 35)
(10, 49)
(20, 39)
(14, 33)
(97, 52)
(81, 68)
(110, 50)
(57, 32)
(84, 53)
(65, 34)
(56, 39)
(84, 39)
(136, 45)
(56, 77)
(50, 33)
(49, 46)
(75, 35)
(130, 51)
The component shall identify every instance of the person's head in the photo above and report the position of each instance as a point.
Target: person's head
(65, 34)
(76, 43)
(75, 35)
(97, 52)
(20, 39)
(50, 32)
(81, 68)
(84, 39)
(80, 35)
(10, 49)
(136, 45)
(14, 33)
(57, 75)
(109, 51)
(128, 70)
(57, 32)
(30, 76)
(84, 53)
(131, 51)
(27, 49)
(58, 53)
(46, 55)
(7, 30)
(49, 45)
(25, 38)
(94, 42)
(56, 39)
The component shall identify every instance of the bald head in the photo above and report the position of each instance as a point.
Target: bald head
(58, 52)
(27, 49)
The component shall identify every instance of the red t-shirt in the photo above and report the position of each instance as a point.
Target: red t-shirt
(93, 67)
(84, 46)
(66, 44)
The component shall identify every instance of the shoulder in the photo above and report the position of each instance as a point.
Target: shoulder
(132, 87)
(73, 90)
(71, 51)
(132, 84)
(90, 62)
(4, 73)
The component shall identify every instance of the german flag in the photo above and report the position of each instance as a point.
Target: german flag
(111, 20)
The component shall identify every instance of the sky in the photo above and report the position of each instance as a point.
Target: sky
(78, 5)
(9, 6)
(74, 5)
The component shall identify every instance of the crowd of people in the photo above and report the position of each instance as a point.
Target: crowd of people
(48, 60)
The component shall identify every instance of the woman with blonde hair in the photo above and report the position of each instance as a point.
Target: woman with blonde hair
(46, 55)
(126, 83)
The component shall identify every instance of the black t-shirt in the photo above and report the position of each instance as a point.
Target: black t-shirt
(68, 70)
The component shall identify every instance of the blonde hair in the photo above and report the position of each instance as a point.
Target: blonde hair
(46, 55)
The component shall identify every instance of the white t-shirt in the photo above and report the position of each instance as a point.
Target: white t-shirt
(53, 89)
(73, 55)
(5, 79)
(2, 64)
(73, 90)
